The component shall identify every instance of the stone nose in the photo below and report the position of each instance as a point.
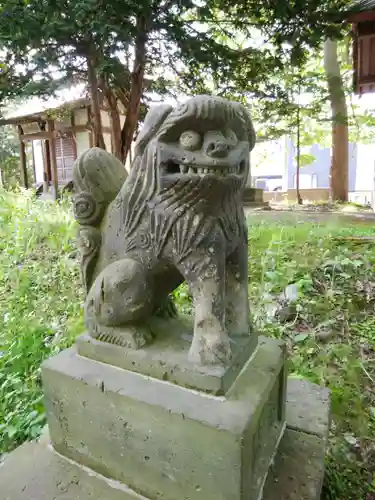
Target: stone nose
(216, 145)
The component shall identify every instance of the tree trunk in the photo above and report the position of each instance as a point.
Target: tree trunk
(298, 170)
(23, 160)
(136, 90)
(53, 160)
(114, 117)
(97, 128)
(299, 197)
(340, 136)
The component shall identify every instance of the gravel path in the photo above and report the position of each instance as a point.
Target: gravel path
(298, 216)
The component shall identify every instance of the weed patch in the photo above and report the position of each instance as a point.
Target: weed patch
(40, 306)
(330, 338)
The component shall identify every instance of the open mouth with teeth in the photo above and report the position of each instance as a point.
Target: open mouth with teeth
(173, 168)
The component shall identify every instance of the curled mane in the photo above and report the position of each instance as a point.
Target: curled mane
(220, 112)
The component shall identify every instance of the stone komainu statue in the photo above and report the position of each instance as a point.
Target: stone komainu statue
(177, 216)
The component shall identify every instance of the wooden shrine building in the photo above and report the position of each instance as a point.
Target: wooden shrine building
(362, 17)
(51, 140)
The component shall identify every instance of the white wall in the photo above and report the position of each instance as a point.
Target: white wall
(106, 122)
(80, 116)
(63, 123)
(30, 128)
(82, 141)
(364, 179)
(108, 142)
(38, 155)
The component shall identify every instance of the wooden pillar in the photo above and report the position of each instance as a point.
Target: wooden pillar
(45, 154)
(48, 162)
(46, 159)
(33, 161)
(52, 154)
(72, 122)
(89, 121)
(23, 160)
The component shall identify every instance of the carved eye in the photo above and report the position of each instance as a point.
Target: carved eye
(190, 140)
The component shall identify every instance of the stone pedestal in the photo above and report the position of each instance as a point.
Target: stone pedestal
(147, 425)
(163, 440)
(253, 198)
(167, 357)
(36, 471)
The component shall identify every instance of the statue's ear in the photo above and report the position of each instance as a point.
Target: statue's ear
(250, 131)
(154, 118)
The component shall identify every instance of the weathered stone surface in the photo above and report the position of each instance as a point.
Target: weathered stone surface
(177, 217)
(163, 440)
(308, 407)
(166, 358)
(34, 472)
(253, 195)
(298, 470)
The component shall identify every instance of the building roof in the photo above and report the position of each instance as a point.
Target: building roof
(360, 11)
(362, 5)
(36, 108)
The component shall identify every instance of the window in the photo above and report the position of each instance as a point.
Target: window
(261, 184)
(65, 157)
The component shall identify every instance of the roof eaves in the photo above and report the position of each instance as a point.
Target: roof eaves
(361, 6)
(77, 103)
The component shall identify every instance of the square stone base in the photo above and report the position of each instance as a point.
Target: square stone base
(165, 441)
(253, 198)
(35, 472)
(252, 194)
(167, 357)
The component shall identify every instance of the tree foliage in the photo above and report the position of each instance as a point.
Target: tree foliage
(115, 46)
(9, 158)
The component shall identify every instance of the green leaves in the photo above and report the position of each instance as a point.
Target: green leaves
(40, 306)
(331, 338)
(40, 313)
(231, 48)
(301, 337)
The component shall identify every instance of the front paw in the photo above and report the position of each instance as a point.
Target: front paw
(210, 349)
(131, 337)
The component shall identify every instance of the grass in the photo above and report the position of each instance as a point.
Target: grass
(330, 337)
(40, 306)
